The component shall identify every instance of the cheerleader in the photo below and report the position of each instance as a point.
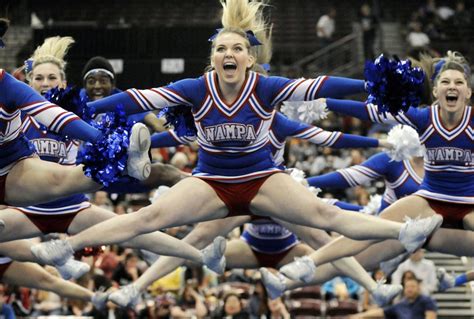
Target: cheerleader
(447, 189)
(232, 107)
(75, 213)
(264, 243)
(24, 178)
(13, 272)
(401, 178)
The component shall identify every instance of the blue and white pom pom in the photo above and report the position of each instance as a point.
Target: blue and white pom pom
(68, 98)
(405, 142)
(305, 111)
(105, 160)
(372, 208)
(393, 85)
(181, 118)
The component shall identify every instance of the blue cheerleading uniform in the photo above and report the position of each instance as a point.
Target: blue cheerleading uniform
(270, 241)
(233, 138)
(18, 97)
(55, 148)
(281, 128)
(449, 156)
(400, 178)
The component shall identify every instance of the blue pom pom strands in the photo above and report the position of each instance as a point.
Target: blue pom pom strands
(181, 118)
(106, 160)
(68, 98)
(393, 85)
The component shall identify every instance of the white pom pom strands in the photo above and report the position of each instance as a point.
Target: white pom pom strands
(373, 206)
(405, 142)
(305, 111)
(299, 176)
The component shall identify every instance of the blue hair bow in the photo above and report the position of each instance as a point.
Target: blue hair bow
(437, 68)
(28, 65)
(250, 36)
(265, 66)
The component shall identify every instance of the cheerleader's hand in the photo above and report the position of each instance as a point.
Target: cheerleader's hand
(386, 144)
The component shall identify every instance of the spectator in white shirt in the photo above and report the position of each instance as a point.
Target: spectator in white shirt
(417, 40)
(423, 269)
(326, 26)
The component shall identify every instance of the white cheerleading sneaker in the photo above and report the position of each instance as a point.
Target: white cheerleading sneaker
(99, 300)
(445, 280)
(149, 257)
(383, 294)
(389, 266)
(213, 255)
(415, 231)
(73, 269)
(302, 269)
(126, 296)
(54, 252)
(139, 164)
(274, 285)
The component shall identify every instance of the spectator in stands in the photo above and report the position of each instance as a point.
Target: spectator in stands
(127, 271)
(47, 303)
(429, 11)
(98, 78)
(417, 40)
(277, 309)
(413, 305)
(102, 200)
(233, 308)
(6, 310)
(121, 208)
(163, 305)
(341, 288)
(462, 17)
(368, 24)
(190, 303)
(258, 304)
(424, 270)
(408, 275)
(445, 12)
(326, 26)
(180, 160)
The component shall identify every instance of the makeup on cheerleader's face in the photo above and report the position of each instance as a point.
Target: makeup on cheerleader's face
(452, 91)
(45, 77)
(231, 58)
